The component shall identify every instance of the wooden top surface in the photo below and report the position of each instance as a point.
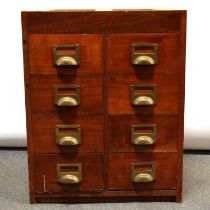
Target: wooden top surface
(105, 10)
(115, 21)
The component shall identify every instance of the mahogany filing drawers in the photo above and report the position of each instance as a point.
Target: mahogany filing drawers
(105, 104)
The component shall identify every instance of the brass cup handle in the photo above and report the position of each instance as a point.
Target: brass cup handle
(67, 101)
(68, 140)
(142, 57)
(138, 175)
(143, 60)
(143, 100)
(69, 179)
(143, 177)
(143, 140)
(66, 61)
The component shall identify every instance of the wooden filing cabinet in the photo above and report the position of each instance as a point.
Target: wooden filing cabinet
(105, 104)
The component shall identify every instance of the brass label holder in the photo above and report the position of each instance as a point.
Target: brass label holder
(144, 175)
(67, 99)
(68, 138)
(143, 99)
(66, 59)
(71, 176)
(143, 138)
(144, 58)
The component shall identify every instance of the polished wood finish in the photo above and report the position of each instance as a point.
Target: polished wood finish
(41, 58)
(110, 196)
(146, 21)
(181, 105)
(45, 168)
(119, 58)
(119, 94)
(120, 171)
(119, 133)
(24, 18)
(105, 114)
(42, 95)
(44, 133)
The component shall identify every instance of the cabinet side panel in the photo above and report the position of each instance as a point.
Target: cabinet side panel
(181, 104)
(24, 18)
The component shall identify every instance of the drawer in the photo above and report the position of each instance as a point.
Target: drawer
(145, 94)
(67, 134)
(143, 171)
(72, 95)
(65, 53)
(143, 133)
(153, 53)
(66, 173)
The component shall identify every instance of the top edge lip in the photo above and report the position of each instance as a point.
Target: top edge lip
(104, 10)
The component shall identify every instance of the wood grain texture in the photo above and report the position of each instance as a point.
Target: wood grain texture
(119, 55)
(105, 102)
(180, 142)
(111, 193)
(119, 133)
(104, 22)
(119, 94)
(28, 104)
(41, 55)
(44, 137)
(45, 165)
(42, 95)
(120, 172)
(107, 196)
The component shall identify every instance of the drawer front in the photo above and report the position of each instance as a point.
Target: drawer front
(150, 171)
(160, 90)
(166, 53)
(142, 133)
(83, 95)
(67, 134)
(66, 173)
(89, 55)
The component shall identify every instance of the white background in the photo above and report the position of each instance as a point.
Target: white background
(197, 111)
